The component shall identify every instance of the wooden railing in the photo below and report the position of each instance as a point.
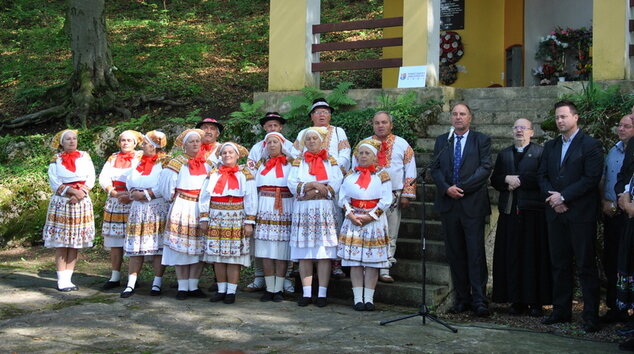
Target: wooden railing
(362, 44)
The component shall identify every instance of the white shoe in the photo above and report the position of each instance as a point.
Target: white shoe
(257, 284)
(288, 286)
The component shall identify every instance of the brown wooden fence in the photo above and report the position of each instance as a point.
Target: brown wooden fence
(362, 44)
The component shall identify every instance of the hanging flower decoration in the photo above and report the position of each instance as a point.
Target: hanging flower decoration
(451, 50)
(558, 47)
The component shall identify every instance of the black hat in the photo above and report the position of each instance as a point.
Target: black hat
(320, 102)
(272, 116)
(212, 121)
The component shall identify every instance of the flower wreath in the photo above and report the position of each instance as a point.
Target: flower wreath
(451, 48)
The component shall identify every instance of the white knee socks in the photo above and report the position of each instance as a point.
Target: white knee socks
(222, 287)
(368, 295)
(116, 276)
(358, 295)
(270, 283)
(279, 284)
(192, 284)
(231, 288)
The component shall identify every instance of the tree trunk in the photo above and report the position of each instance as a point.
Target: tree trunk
(92, 62)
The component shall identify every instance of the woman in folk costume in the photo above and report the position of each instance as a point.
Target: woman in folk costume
(365, 195)
(314, 181)
(180, 183)
(70, 223)
(148, 211)
(228, 204)
(115, 212)
(275, 211)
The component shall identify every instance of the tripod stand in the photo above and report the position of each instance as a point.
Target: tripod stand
(423, 310)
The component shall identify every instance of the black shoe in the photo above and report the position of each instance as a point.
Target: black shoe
(155, 292)
(321, 302)
(459, 308)
(111, 285)
(181, 295)
(278, 296)
(197, 294)
(369, 306)
(66, 289)
(516, 309)
(218, 297)
(126, 294)
(304, 301)
(628, 345)
(591, 326)
(229, 299)
(613, 316)
(267, 296)
(482, 311)
(359, 306)
(556, 318)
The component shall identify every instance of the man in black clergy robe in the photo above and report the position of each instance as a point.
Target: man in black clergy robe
(569, 175)
(461, 172)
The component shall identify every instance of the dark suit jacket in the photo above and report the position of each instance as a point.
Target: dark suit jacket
(528, 194)
(577, 179)
(474, 174)
(625, 174)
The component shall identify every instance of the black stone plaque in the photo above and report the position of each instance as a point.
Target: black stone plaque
(451, 15)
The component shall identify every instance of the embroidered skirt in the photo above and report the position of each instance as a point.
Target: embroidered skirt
(69, 225)
(314, 224)
(146, 224)
(115, 216)
(225, 241)
(181, 229)
(366, 245)
(273, 225)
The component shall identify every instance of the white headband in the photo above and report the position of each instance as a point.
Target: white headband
(374, 150)
(150, 141)
(188, 135)
(61, 137)
(230, 144)
(310, 130)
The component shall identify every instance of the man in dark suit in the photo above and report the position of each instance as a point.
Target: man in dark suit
(569, 175)
(461, 171)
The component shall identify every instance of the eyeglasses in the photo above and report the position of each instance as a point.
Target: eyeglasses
(321, 112)
(521, 127)
(626, 126)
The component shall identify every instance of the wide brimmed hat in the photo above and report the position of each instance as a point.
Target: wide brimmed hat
(56, 143)
(212, 121)
(272, 116)
(156, 138)
(320, 102)
(182, 138)
(138, 137)
(241, 150)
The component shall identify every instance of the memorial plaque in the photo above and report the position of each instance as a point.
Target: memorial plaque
(451, 15)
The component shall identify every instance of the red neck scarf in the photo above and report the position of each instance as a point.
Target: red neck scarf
(68, 160)
(196, 166)
(316, 164)
(124, 159)
(382, 154)
(146, 165)
(278, 162)
(207, 147)
(227, 174)
(366, 176)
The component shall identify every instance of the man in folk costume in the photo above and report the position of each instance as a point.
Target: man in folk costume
(396, 157)
(117, 208)
(213, 129)
(336, 145)
(272, 122)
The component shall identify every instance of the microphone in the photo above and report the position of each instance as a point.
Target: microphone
(451, 131)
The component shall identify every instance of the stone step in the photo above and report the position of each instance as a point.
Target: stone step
(414, 212)
(411, 270)
(410, 229)
(492, 130)
(497, 143)
(511, 92)
(407, 248)
(504, 118)
(397, 293)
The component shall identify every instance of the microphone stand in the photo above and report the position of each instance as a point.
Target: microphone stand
(423, 310)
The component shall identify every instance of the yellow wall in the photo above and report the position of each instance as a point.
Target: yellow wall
(608, 39)
(392, 8)
(287, 46)
(513, 23)
(483, 41)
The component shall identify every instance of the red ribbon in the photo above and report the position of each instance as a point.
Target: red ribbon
(366, 176)
(68, 160)
(382, 154)
(196, 166)
(278, 162)
(124, 159)
(227, 174)
(146, 165)
(316, 164)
